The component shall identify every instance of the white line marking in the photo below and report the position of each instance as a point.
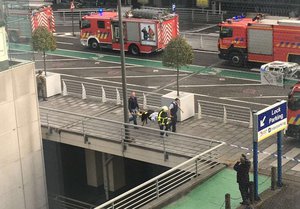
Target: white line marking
(57, 60)
(215, 85)
(138, 76)
(233, 100)
(95, 67)
(66, 43)
(205, 51)
(257, 97)
(291, 154)
(267, 152)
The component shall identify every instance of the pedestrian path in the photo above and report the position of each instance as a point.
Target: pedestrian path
(211, 193)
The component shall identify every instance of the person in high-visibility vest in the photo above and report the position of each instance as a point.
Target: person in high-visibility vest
(163, 120)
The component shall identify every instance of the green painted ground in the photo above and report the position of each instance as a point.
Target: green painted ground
(210, 194)
(147, 63)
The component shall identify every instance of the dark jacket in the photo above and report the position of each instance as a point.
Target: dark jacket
(132, 104)
(242, 170)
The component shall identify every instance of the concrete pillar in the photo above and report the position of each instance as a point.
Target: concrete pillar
(114, 172)
(94, 173)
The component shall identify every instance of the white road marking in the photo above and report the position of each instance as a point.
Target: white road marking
(138, 76)
(95, 67)
(256, 97)
(288, 156)
(255, 70)
(66, 43)
(266, 153)
(216, 85)
(296, 168)
(234, 100)
(205, 51)
(57, 60)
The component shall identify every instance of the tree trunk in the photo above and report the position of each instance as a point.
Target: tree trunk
(44, 56)
(177, 81)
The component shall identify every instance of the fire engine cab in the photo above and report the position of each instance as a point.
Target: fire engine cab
(259, 39)
(144, 31)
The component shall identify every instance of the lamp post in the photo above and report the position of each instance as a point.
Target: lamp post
(124, 85)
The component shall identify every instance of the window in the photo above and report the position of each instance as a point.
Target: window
(225, 32)
(85, 24)
(101, 24)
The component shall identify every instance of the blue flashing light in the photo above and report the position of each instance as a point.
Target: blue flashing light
(100, 10)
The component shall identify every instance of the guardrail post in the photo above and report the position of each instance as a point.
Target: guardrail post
(64, 17)
(251, 119)
(166, 156)
(201, 41)
(193, 15)
(227, 201)
(225, 115)
(273, 178)
(65, 90)
(103, 95)
(251, 192)
(157, 189)
(196, 168)
(206, 16)
(199, 111)
(144, 102)
(118, 97)
(83, 92)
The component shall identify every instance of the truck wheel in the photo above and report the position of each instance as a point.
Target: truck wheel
(93, 44)
(236, 59)
(14, 37)
(134, 49)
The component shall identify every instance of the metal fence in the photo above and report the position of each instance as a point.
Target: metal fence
(186, 15)
(62, 202)
(225, 111)
(108, 93)
(208, 42)
(120, 133)
(162, 184)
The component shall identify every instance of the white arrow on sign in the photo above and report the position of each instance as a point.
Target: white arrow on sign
(262, 122)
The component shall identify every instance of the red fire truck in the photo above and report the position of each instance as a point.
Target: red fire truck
(259, 40)
(293, 119)
(20, 18)
(142, 33)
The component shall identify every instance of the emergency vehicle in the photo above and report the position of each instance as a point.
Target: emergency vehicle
(142, 33)
(34, 14)
(259, 39)
(293, 119)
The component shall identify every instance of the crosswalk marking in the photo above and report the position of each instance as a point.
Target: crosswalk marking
(288, 156)
(267, 152)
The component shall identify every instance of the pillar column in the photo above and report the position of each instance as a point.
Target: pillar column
(94, 173)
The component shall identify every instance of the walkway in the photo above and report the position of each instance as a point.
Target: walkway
(211, 193)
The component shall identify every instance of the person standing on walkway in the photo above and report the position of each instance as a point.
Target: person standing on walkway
(173, 109)
(41, 85)
(242, 168)
(163, 120)
(133, 107)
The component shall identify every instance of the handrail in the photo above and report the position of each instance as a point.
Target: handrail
(223, 104)
(157, 178)
(70, 202)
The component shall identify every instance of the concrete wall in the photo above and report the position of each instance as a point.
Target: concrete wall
(22, 174)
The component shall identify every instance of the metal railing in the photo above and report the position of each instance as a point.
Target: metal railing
(196, 15)
(108, 93)
(121, 133)
(62, 202)
(162, 184)
(185, 14)
(227, 112)
(200, 41)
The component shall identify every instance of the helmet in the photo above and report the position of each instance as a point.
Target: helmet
(164, 108)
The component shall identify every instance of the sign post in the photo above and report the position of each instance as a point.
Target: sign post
(267, 122)
(72, 7)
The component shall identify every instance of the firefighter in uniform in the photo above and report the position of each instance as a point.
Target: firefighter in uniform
(163, 120)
